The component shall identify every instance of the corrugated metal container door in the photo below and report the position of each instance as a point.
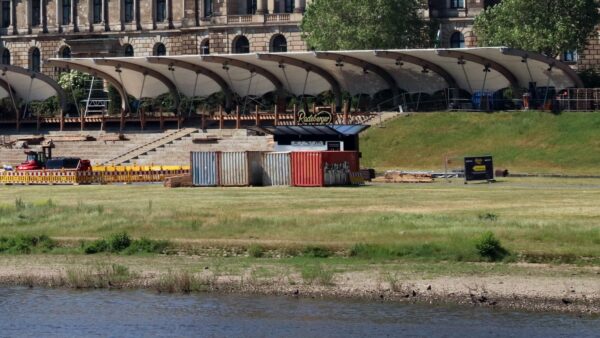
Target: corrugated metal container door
(255, 168)
(338, 165)
(307, 169)
(277, 169)
(350, 157)
(204, 169)
(233, 169)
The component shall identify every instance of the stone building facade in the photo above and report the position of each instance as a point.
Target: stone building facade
(32, 31)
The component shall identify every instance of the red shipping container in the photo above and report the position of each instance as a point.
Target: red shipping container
(308, 167)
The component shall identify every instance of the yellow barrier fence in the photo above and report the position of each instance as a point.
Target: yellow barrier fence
(120, 174)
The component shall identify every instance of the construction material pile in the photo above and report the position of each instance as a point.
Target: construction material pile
(394, 176)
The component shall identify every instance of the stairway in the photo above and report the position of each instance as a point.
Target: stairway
(135, 153)
(178, 151)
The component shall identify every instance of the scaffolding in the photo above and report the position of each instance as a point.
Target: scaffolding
(96, 102)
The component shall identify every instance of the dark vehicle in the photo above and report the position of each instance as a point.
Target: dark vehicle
(68, 163)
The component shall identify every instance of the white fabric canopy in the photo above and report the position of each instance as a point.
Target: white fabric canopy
(27, 85)
(258, 74)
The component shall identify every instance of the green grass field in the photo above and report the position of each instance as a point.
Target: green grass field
(535, 219)
(532, 142)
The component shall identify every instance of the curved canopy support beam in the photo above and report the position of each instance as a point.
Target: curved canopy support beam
(281, 59)
(62, 96)
(198, 70)
(547, 60)
(95, 73)
(146, 71)
(367, 66)
(245, 65)
(4, 85)
(402, 57)
(487, 63)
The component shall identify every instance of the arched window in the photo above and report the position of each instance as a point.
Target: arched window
(457, 40)
(65, 53)
(5, 56)
(241, 45)
(128, 50)
(278, 44)
(160, 50)
(36, 60)
(205, 47)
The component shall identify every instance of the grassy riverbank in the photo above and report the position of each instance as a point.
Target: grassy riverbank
(520, 141)
(536, 220)
(400, 242)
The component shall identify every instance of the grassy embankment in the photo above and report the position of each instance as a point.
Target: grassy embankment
(535, 220)
(532, 142)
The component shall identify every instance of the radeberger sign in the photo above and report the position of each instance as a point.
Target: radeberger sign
(320, 117)
(479, 168)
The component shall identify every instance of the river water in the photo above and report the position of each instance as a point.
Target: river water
(42, 312)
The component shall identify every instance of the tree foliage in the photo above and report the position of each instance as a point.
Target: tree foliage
(544, 26)
(361, 24)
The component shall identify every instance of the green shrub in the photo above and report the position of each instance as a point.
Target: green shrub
(256, 251)
(145, 245)
(316, 252)
(119, 242)
(25, 244)
(100, 245)
(489, 247)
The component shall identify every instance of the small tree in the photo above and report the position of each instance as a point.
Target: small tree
(75, 84)
(361, 24)
(550, 27)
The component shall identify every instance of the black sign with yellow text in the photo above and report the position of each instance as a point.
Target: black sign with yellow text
(479, 168)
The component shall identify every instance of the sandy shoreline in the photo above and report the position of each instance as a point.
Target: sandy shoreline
(563, 293)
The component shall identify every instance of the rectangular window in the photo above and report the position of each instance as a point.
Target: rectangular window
(66, 12)
(97, 11)
(250, 6)
(457, 3)
(5, 14)
(570, 56)
(35, 13)
(289, 6)
(128, 10)
(161, 10)
(208, 8)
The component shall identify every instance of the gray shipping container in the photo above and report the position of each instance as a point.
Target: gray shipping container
(204, 168)
(238, 169)
(277, 169)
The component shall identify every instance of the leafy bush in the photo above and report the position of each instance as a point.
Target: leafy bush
(256, 251)
(119, 242)
(145, 245)
(97, 246)
(25, 244)
(122, 243)
(489, 247)
(316, 252)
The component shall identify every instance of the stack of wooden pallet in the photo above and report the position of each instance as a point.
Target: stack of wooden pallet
(403, 177)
